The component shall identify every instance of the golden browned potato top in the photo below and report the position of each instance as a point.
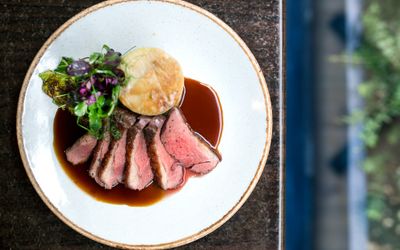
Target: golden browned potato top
(155, 81)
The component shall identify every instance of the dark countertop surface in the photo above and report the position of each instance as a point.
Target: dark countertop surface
(26, 222)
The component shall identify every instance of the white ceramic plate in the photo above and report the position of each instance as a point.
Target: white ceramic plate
(209, 51)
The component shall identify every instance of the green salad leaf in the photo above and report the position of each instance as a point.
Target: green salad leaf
(88, 87)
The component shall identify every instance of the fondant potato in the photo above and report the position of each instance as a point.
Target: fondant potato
(155, 81)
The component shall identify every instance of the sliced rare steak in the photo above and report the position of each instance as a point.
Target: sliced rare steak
(138, 172)
(98, 156)
(81, 150)
(192, 150)
(169, 172)
(113, 164)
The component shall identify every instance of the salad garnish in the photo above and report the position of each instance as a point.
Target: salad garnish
(89, 88)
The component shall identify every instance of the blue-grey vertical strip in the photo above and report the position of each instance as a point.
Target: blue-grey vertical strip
(299, 124)
(357, 188)
(282, 115)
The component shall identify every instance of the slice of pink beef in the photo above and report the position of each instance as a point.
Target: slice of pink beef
(189, 148)
(113, 165)
(138, 172)
(98, 156)
(81, 150)
(111, 171)
(169, 173)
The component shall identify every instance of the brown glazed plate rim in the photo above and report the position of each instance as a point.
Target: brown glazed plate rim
(184, 240)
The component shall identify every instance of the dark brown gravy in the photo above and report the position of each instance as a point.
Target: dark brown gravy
(203, 112)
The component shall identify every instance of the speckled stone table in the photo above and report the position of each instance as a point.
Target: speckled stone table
(26, 222)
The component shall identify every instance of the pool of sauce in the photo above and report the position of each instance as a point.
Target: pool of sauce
(203, 112)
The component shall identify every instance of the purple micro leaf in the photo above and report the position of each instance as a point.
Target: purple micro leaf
(83, 92)
(91, 100)
(78, 68)
(114, 81)
(108, 81)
